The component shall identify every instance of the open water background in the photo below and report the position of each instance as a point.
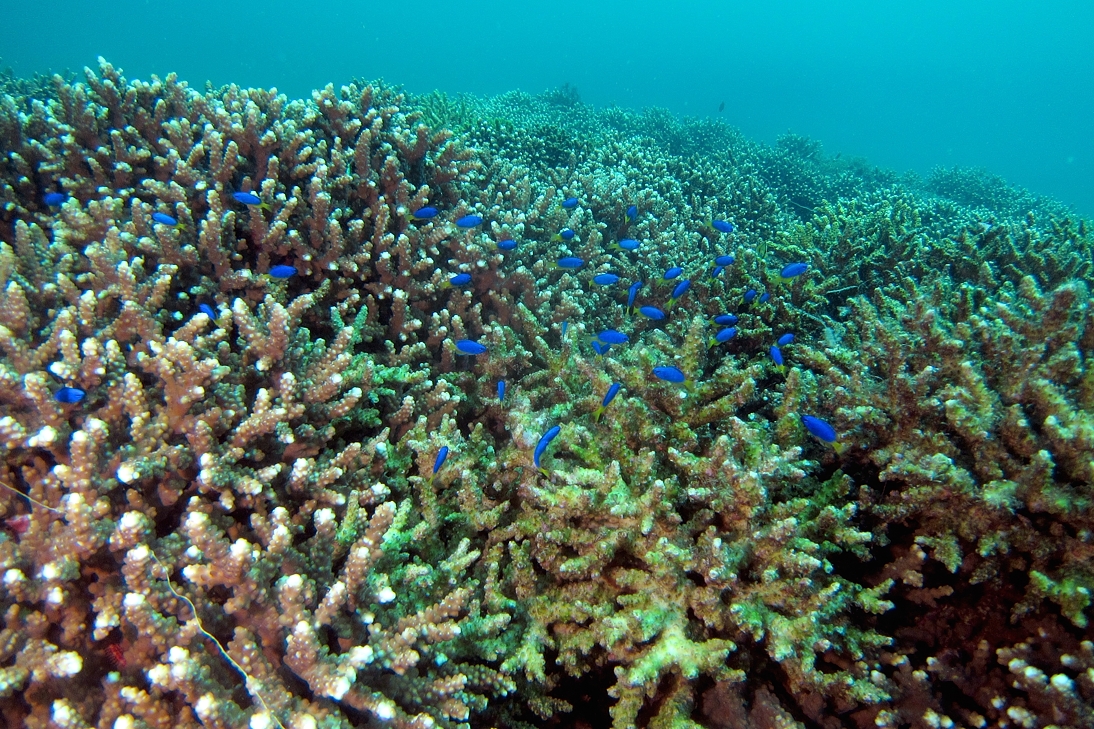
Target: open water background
(1004, 85)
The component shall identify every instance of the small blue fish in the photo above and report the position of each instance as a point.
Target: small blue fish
(600, 349)
(460, 279)
(673, 273)
(680, 290)
(652, 312)
(764, 297)
(501, 390)
(726, 260)
(54, 199)
(283, 271)
(165, 219)
(669, 373)
(442, 455)
(565, 328)
(544, 441)
(785, 339)
(569, 203)
(470, 346)
(723, 336)
(207, 311)
(248, 198)
(716, 271)
(792, 271)
(565, 234)
(507, 245)
(468, 221)
(608, 397)
(611, 336)
(722, 226)
(632, 293)
(632, 212)
(750, 295)
(628, 244)
(69, 395)
(823, 431)
(605, 279)
(425, 213)
(725, 319)
(571, 262)
(777, 356)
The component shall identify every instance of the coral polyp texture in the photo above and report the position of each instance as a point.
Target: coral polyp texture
(258, 469)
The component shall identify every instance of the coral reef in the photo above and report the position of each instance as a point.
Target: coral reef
(228, 368)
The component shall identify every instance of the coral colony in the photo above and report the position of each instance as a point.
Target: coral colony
(261, 467)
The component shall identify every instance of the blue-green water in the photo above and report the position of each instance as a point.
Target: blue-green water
(1008, 86)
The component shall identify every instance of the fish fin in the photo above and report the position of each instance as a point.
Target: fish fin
(598, 413)
(839, 448)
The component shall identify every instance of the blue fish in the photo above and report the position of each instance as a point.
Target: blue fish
(823, 431)
(726, 260)
(680, 290)
(54, 199)
(442, 455)
(470, 346)
(425, 213)
(714, 272)
(501, 390)
(764, 297)
(544, 441)
(605, 279)
(460, 279)
(69, 395)
(165, 219)
(565, 327)
(722, 226)
(611, 336)
(569, 203)
(628, 244)
(608, 397)
(283, 271)
(468, 221)
(207, 311)
(669, 373)
(785, 339)
(507, 245)
(725, 319)
(571, 262)
(723, 336)
(247, 198)
(777, 356)
(792, 271)
(632, 212)
(673, 273)
(750, 295)
(600, 349)
(565, 234)
(652, 312)
(632, 293)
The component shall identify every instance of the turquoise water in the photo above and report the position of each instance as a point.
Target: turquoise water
(1008, 86)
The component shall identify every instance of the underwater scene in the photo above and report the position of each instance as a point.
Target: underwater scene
(372, 407)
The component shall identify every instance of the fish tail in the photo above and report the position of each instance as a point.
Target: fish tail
(598, 413)
(264, 206)
(839, 448)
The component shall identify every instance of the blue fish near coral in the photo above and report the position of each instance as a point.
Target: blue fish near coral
(668, 373)
(672, 273)
(600, 349)
(632, 293)
(470, 346)
(283, 271)
(569, 203)
(652, 312)
(54, 199)
(725, 319)
(570, 262)
(716, 271)
(69, 395)
(426, 213)
(723, 336)
(541, 447)
(460, 279)
(501, 390)
(605, 279)
(507, 244)
(564, 234)
(608, 397)
(165, 219)
(792, 271)
(611, 336)
(632, 212)
(750, 296)
(628, 244)
(442, 456)
(468, 221)
(726, 260)
(207, 311)
(777, 357)
(247, 198)
(680, 290)
(785, 339)
(722, 226)
(823, 431)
